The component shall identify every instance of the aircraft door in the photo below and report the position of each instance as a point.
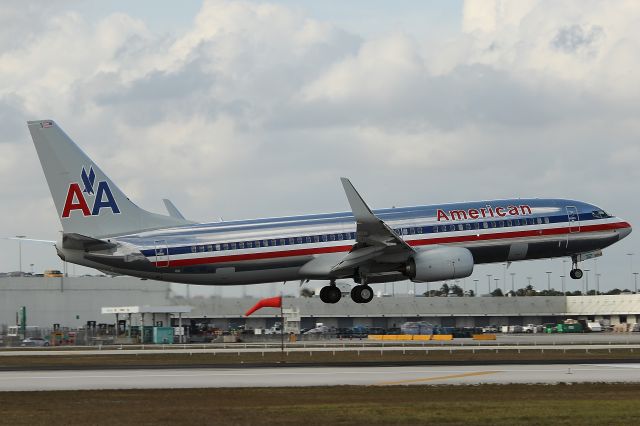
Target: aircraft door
(162, 254)
(574, 219)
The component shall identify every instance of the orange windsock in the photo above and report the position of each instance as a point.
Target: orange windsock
(271, 302)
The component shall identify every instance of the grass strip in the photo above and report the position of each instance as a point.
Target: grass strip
(582, 404)
(170, 359)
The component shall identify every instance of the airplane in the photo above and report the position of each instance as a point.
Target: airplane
(105, 230)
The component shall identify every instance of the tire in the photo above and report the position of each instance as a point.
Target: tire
(355, 294)
(366, 294)
(577, 274)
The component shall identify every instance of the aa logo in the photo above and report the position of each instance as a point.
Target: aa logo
(79, 198)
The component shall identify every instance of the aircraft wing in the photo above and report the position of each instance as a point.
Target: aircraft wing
(375, 240)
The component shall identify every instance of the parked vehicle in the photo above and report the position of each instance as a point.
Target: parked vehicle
(35, 342)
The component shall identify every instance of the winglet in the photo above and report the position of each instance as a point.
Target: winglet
(361, 211)
(172, 209)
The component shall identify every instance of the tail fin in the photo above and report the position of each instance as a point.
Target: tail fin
(88, 202)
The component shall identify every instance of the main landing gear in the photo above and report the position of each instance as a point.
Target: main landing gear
(362, 293)
(330, 293)
(575, 273)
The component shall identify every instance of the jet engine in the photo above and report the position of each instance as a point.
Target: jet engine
(439, 264)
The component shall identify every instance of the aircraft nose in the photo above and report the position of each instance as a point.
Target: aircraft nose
(624, 231)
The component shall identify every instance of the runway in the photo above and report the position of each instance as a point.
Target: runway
(315, 376)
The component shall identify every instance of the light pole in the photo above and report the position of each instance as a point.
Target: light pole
(586, 277)
(20, 237)
(489, 282)
(630, 263)
(635, 282)
(504, 273)
(513, 286)
(496, 280)
(31, 267)
(548, 280)
(598, 284)
(475, 282)
(562, 280)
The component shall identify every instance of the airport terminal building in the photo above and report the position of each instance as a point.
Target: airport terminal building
(73, 301)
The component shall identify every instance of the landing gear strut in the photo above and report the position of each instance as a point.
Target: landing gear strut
(575, 273)
(362, 293)
(330, 293)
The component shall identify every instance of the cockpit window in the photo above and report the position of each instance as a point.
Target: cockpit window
(600, 214)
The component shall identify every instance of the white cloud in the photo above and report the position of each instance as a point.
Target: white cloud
(257, 108)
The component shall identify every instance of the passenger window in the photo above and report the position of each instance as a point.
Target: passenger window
(485, 225)
(307, 239)
(210, 248)
(316, 239)
(217, 247)
(538, 220)
(324, 238)
(202, 248)
(443, 228)
(498, 224)
(467, 226)
(507, 223)
(546, 220)
(225, 247)
(434, 229)
(419, 230)
(460, 227)
(405, 231)
(283, 242)
(249, 244)
(233, 246)
(291, 241)
(332, 237)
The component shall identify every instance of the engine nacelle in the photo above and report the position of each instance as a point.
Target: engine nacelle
(439, 264)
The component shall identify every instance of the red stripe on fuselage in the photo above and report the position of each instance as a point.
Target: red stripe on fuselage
(422, 242)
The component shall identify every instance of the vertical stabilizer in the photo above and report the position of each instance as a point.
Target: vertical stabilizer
(87, 201)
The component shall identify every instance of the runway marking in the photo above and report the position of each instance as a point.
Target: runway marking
(431, 379)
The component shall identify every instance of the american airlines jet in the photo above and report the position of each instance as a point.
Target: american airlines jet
(105, 230)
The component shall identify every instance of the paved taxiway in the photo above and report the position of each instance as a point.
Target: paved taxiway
(314, 376)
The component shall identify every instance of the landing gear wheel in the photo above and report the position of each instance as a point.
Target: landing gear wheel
(362, 294)
(576, 274)
(330, 294)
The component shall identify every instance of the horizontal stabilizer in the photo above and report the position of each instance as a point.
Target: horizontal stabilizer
(82, 242)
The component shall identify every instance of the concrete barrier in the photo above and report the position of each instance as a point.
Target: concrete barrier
(422, 337)
(442, 337)
(484, 337)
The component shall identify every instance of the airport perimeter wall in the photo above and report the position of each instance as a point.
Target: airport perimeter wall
(446, 311)
(72, 301)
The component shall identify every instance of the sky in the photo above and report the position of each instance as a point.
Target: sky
(241, 109)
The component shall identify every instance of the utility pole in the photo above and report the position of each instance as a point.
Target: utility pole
(630, 263)
(598, 284)
(586, 276)
(635, 282)
(476, 288)
(20, 237)
(496, 280)
(489, 282)
(548, 280)
(562, 277)
(513, 286)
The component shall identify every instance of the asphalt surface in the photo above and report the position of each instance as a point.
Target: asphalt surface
(316, 376)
